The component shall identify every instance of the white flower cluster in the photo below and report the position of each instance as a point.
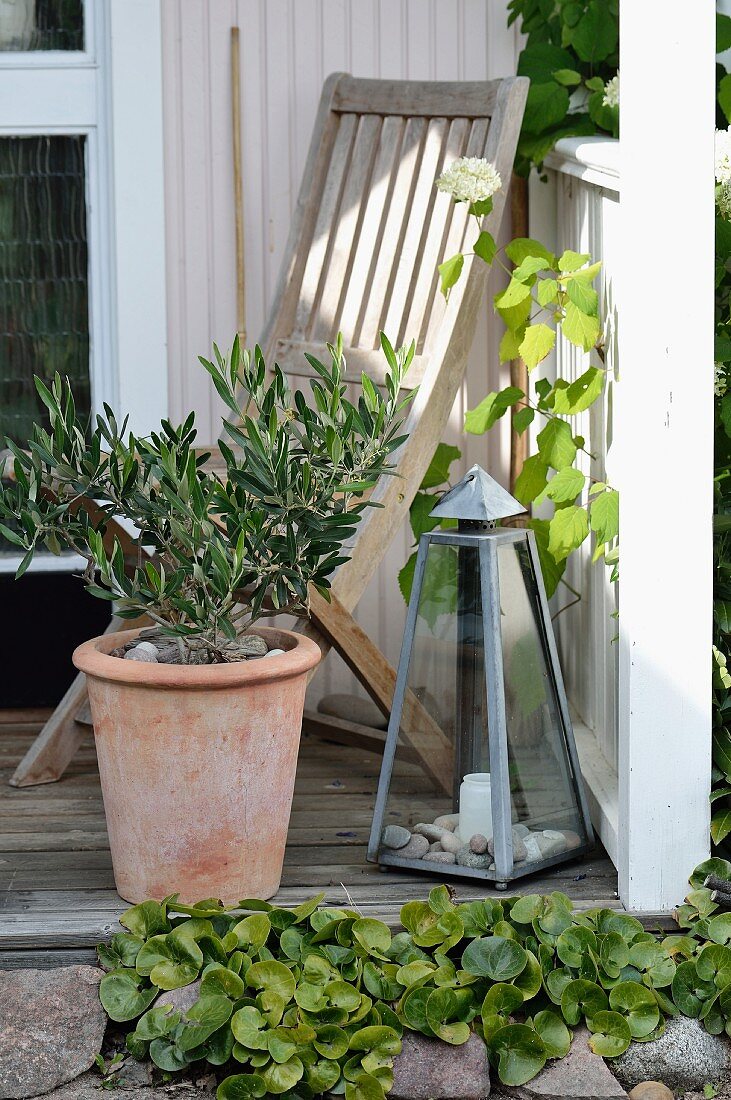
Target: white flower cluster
(723, 172)
(611, 92)
(470, 179)
(720, 382)
(723, 156)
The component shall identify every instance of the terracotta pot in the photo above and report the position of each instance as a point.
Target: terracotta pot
(197, 767)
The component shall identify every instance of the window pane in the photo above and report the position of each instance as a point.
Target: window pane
(44, 323)
(41, 25)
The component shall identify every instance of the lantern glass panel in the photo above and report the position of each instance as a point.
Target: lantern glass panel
(542, 787)
(447, 761)
(443, 732)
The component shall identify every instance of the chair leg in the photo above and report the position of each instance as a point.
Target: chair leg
(55, 746)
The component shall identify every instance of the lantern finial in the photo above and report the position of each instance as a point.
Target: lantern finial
(477, 497)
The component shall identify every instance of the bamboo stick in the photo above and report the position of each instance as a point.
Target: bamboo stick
(238, 183)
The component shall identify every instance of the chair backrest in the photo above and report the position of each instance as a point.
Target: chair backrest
(367, 235)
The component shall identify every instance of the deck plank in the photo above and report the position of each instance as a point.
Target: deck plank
(57, 896)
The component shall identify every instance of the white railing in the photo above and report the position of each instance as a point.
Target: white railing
(578, 207)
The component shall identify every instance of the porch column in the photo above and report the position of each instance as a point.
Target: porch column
(664, 447)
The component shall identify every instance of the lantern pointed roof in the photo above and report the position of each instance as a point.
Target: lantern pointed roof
(477, 497)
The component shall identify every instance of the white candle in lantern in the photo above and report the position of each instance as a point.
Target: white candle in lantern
(475, 806)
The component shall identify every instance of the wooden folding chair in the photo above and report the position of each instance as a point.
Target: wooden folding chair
(367, 235)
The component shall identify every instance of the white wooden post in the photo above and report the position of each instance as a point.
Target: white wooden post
(138, 232)
(664, 444)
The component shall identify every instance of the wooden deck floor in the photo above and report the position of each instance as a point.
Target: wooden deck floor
(57, 896)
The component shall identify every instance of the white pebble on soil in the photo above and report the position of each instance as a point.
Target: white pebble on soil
(139, 654)
(273, 653)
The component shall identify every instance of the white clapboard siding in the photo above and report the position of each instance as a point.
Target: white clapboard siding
(288, 47)
(578, 208)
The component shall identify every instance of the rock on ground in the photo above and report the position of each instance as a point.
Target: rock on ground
(651, 1090)
(428, 1068)
(685, 1057)
(581, 1075)
(89, 1087)
(51, 1027)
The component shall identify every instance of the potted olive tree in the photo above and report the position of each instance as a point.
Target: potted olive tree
(197, 719)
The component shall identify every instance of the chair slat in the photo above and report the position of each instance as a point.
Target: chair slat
(326, 222)
(336, 274)
(425, 99)
(418, 214)
(383, 272)
(436, 231)
(372, 230)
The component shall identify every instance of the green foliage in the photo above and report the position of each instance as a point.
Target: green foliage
(257, 534)
(546, 294)
(721, 681)
(571, 52)
(298, 1002)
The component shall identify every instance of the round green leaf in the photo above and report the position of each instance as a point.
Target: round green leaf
(372, 935)
(274, 976)
(638, 1006)
(376, 1037)
(145, 920)
(530, 979)
(166, 1056)
(613, 953)
(124, 995)
(120, 952)
(494, 957)
(611, 1034)
(414, 972)
(253, 931)
(364, 1087)
(241, 1086)
(202, 1019)
(582, 998)
(714, 965)
(689, 990)
(220, 980)
(331, 1042)
(719, 928)
(501, 998)
(248, 1026)
(554, 1034)
(556, 982)
(519, 1051)
(380, 986)
(413, 1009)
(713, 866)
(442, 1013)
(573, 944)
(281, 1078)
(157, 1023)
(322, 1076)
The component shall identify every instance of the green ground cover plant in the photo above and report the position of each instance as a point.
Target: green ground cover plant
(298, 1002)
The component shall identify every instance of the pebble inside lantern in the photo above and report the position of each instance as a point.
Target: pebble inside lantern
(480, 775)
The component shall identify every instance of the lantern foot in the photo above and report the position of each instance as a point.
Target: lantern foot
(501, 885)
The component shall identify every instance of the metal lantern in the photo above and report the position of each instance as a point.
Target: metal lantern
(480, 775)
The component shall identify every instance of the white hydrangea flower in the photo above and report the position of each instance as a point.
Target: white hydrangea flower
(723, 200)
(470, 179)
(611, 92)
(723, 156)
(720, 382)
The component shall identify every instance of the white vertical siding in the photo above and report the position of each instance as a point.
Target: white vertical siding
(288, 48)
